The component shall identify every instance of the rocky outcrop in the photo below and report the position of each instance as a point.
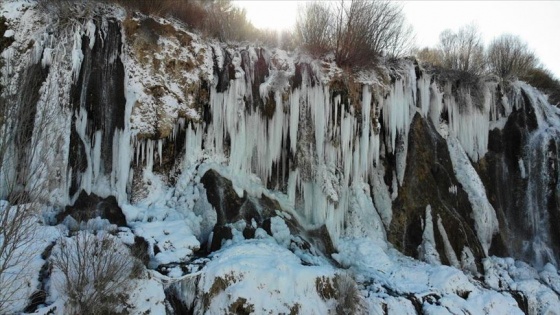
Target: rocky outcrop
(91, 206)
(257, 212)
(428, 181)
(98, 98)
(520, 173)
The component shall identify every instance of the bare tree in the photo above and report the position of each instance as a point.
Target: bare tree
(463, 50)
(357, 31)
(227, 22)
(17, 235)
(95, 270)
(510, 56)
(24, 118)
(368, 29)
(314, 27)
(67, 12)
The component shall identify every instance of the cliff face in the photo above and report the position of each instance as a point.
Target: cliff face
(444, 170)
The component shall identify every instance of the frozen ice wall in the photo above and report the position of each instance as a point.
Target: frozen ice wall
(538, 163)
(310, 141)
(70, 110)
(335, 144)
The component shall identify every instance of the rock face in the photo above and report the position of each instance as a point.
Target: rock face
(98, 99)
(256, 212)
(91, 206)
(429, 181)
(520, 172)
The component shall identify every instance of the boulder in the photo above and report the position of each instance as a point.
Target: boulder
(91, 206)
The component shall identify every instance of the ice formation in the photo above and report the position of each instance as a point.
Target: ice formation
(330, 149)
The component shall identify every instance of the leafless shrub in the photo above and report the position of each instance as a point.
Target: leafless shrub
(314, 27)
(95, 271)
(148, 7)
(21, 164)
(349, 299)
(228, 22)
(463, 50)
(371, 28)
(190, 12)
(17, 235)
(272, 38)
(509, 56)
(357, 32)
(67, 12)
(216, 18)
(430, 56)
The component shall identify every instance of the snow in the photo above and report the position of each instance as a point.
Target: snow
(22, 263)
(146, 296)
(507, 274)
(13, 10)
(280, 231)
(427, 250)
(327, 153)
(264, 277)
(484, 215)
(174, 239)
(440, 289)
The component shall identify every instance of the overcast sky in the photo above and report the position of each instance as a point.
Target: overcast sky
(537, 22)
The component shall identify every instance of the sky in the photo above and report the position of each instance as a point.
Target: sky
(536, 22)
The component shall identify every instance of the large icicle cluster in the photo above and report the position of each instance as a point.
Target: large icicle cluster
(289, 124)
(325, 146)
(322, 145)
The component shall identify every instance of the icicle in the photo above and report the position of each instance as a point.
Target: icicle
(77, 55)
(365, 162)
(81, 125)
(436, 99)
(47, 57)
(149, 155)
(522, 169)
(90, 33)
(142, 152)
(160, 150)
(294, 118)
(424, 90)
(97, 153)
(469, 124)
(396, 111)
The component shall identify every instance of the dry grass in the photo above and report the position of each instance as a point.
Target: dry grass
(219, 19)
